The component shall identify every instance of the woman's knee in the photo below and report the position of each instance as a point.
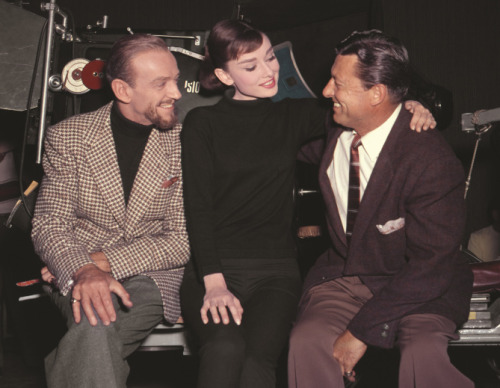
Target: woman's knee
(228, 347)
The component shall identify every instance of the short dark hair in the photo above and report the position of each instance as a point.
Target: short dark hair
(127, 48)
(382, 59)
(227, 40)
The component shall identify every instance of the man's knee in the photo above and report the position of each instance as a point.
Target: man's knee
(424, 333)
(421, 344)
(306, 336)
(85, 346)
(93, 336)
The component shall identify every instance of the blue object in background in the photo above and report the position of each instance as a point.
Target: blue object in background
(290, 84)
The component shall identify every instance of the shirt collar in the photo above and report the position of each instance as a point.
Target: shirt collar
(374, 140)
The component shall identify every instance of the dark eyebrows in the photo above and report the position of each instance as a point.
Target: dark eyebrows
(247, 61)
(251, 60)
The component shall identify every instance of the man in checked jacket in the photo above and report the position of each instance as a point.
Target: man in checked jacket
(109, 220)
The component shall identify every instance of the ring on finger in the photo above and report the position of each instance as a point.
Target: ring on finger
(74, 300)
(348, 374)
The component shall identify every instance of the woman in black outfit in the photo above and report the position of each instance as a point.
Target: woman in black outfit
(240, 291)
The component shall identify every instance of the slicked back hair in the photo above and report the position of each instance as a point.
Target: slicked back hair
(381, 60)
(118, 65)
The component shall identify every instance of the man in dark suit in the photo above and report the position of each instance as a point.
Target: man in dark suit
(393, 275)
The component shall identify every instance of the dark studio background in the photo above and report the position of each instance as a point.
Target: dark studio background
(454, 46)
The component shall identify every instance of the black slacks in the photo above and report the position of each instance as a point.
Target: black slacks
(245, 356)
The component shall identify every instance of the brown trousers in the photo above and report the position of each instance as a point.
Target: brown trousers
(324, 313)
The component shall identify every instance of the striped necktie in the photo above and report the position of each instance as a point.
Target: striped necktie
(353, 197)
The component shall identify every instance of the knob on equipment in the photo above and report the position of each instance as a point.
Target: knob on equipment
(93, 74)
(72, 76)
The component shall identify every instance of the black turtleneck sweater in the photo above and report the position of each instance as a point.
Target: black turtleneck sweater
(238, 170)
(130, 141)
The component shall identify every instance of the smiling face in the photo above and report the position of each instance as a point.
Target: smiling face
(151, 98)
(351, 101)
(253, 75)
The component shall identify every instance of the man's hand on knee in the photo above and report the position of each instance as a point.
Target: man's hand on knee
(348, 350)
(92, 291)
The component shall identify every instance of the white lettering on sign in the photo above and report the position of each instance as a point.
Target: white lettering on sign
(192, 87)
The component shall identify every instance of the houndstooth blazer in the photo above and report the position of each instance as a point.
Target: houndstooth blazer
(81, 208)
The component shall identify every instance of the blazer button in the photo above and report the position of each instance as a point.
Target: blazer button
(323, 277)
(384, 334)
(386, 326)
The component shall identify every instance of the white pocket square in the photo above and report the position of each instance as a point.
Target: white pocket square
(391, 226)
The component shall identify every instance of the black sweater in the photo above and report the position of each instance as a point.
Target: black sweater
(130, 141)
(238, 168)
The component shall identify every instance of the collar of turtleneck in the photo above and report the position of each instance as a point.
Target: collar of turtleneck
(130, 141)
(243, 104)
(126, 127)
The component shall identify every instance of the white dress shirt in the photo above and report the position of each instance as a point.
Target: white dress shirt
(369, 150)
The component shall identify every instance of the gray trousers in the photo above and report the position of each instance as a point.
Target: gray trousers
(95, 357)
(325, 313)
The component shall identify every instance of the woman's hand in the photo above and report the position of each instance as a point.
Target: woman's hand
(422, 118)
(218, 299)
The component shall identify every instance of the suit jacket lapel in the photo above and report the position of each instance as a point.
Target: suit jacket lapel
(326, 187)
(153, 171)
(378, 184)
(375, 192)
(103, 162)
